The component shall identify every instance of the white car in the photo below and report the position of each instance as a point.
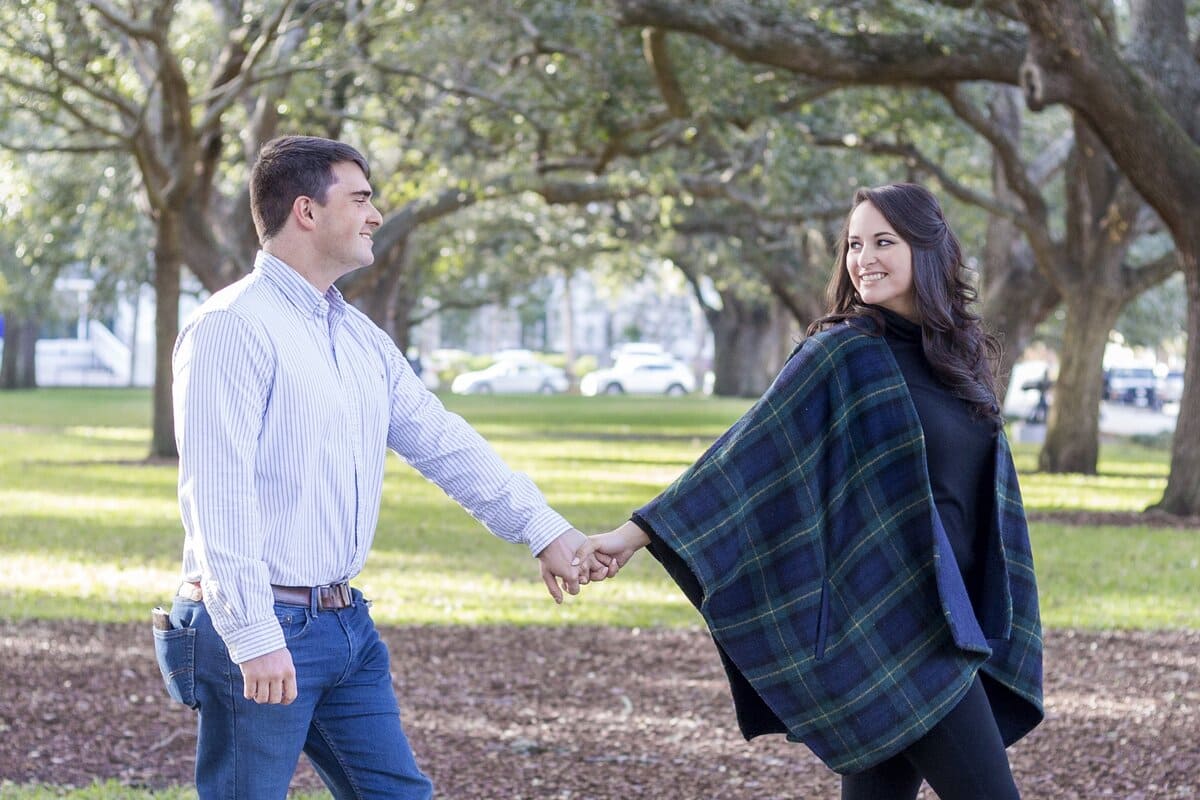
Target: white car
(512, 377)
(640, 376)
(1169, 387)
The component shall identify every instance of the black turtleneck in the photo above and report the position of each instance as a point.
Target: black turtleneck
(959, 447)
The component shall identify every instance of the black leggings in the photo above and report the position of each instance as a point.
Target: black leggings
(962, 757)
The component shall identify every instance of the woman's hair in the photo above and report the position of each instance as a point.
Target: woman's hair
(959, 351)
(294, 166)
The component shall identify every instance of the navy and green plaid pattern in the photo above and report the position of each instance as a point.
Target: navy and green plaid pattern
(827, 578)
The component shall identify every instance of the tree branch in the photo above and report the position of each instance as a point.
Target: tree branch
(795, 43)
(1140, 278)
(654, 47)
(124, 23)
(1006, 150)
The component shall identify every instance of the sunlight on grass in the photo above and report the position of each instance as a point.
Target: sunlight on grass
(42, 587)
(110, 434)
(81, 506)
(1046, 492)
(1110, 577)
(88, 532)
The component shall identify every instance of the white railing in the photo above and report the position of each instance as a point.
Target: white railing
(109, 351)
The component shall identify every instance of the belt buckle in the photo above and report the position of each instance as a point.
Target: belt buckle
(334, 596)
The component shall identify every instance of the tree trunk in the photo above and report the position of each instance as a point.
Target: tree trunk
(168, 260)
(19, 367)
(750, 341)
(1182, 495)
(376, 293)
(1015, 296)
(1015, 300)
(1073, 428)
(568, 312)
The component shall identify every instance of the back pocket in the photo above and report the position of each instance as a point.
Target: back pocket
(175, 651)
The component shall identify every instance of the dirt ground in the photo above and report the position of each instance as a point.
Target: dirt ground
(605, 713)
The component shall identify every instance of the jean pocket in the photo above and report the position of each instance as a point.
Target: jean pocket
(293, 621)
(175, 651)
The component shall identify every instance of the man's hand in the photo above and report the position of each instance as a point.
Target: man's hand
(556, 564)
(613, 549)
(270, 678)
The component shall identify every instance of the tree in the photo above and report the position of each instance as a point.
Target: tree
(1138, 94)
(59, 212)
(162, 83)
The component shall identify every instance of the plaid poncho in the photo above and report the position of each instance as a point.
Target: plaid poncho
(826, 577)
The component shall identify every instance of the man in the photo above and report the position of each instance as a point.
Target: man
(286, 402)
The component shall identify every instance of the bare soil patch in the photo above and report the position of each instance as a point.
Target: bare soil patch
(598, 713)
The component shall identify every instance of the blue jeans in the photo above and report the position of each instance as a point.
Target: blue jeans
(345, 718)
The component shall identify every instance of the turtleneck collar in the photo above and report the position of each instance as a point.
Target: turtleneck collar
(898, 327)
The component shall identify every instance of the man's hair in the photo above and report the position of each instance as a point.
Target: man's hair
(294, 166)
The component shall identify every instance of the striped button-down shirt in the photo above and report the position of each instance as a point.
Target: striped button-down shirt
(286, 402)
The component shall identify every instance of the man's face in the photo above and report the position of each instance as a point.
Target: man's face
(347, 220)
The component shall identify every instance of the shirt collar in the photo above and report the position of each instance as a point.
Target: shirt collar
(296, 288)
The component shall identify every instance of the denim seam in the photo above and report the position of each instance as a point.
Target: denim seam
(342, 763)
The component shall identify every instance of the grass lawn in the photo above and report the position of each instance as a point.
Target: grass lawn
(84, 514)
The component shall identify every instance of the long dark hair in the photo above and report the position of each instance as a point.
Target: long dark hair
(959, 350)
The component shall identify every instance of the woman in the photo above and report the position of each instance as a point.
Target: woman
(856, 542)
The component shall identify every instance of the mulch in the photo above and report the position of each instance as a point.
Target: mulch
(499, 712)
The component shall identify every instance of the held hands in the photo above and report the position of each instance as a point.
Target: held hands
(556, 565)
(575, 559)
(613, 549)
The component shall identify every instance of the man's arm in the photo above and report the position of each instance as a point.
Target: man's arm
(451, 454)
(222, 377)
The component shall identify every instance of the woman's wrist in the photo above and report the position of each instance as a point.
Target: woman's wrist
(632, 534)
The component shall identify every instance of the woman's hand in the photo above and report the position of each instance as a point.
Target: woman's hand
(614, 548)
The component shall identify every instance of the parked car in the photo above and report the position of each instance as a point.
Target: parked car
(1132, 385)
(640, 375)
(639, 349)
(512, 377)
(1169, 387)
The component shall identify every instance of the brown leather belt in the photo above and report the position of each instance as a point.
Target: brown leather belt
(329, 597)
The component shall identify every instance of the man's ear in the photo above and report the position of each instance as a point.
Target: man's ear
(302, 211)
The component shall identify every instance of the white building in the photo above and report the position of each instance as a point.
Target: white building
(660, 308)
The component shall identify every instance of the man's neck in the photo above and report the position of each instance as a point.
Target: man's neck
(294, 258)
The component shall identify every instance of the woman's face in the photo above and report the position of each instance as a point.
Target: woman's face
(879, 262)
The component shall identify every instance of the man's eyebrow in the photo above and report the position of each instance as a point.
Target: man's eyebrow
(363, 193)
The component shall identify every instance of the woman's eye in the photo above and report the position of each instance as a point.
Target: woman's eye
(855, 246)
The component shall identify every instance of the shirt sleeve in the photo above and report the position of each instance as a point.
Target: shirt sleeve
(222, 379)
(452, 454)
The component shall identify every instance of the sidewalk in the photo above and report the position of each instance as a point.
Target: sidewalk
(1116, 419)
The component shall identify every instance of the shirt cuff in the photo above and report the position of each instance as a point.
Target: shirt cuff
(255, 640)
(546, 526)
